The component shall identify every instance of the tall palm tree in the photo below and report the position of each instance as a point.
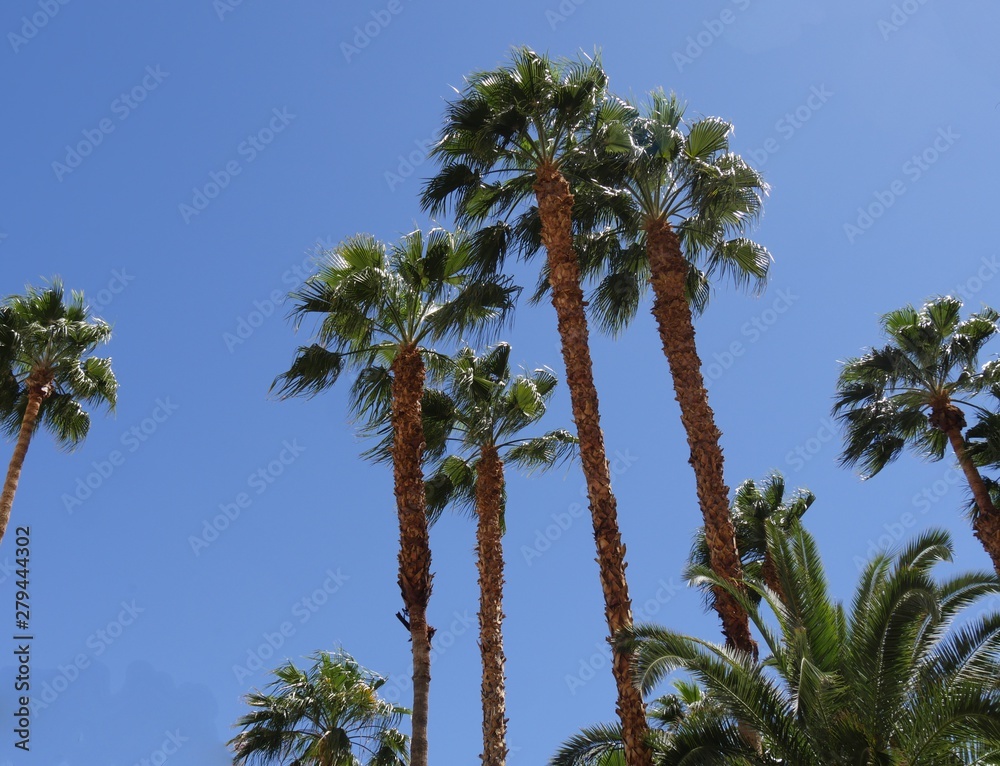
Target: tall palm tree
(507, 141)
(379, 309)
(905, 675)
(489, 409)
(755, 507)
(683, 202)
(47, 374)
(912, 391)
(329, 714)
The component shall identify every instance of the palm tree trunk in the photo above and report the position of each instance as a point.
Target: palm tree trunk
(489, 548)
(770, 573)
(36, 396)
(555, 208)
(668, 273)
(986, 525)
(414, 543)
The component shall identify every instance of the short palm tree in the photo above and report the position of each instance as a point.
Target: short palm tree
(688, 201)
(914, 392)
(380, 309)
(489, 410)
(508, 141)
(674, 715)
(906, 675)
(48, 376)
(329, 714)
(755, 507)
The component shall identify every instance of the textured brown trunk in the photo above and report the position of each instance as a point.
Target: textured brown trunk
(668, 272)
(770, 573)
(489, 550)
(38, 391)
(555, 206)
(986, 526)
(414, 542)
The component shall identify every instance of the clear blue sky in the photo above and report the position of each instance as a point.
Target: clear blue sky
(305, 122)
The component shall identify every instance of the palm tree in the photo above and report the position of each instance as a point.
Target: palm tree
(911, 392)
(379, 309)
(47, 375)
(756, 507)
(327, 715)
(489, 409)
(508, 138)
(672, 716)
(906, 675)
(683, 202)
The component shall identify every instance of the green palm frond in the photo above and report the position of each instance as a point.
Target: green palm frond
(328, 713)
(903, 676)
(46, 338)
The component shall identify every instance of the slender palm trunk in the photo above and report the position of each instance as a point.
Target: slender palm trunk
(489, 549)
(414, 543)
(986, 526)
(668, 272)
(36, 395)
(555, 207)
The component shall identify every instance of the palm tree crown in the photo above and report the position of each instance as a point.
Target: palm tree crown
(375, 301)
(44, 345)
(329, 714)
(906, 675)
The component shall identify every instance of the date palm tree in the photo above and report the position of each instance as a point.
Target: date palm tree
(907, 674)
(508, 140)
(329, 714)
(683, 202)
(47, 375)
(379, 310)
(914, 392)
(489, 410)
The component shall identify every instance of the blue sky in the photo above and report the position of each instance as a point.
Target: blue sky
(180, 162)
